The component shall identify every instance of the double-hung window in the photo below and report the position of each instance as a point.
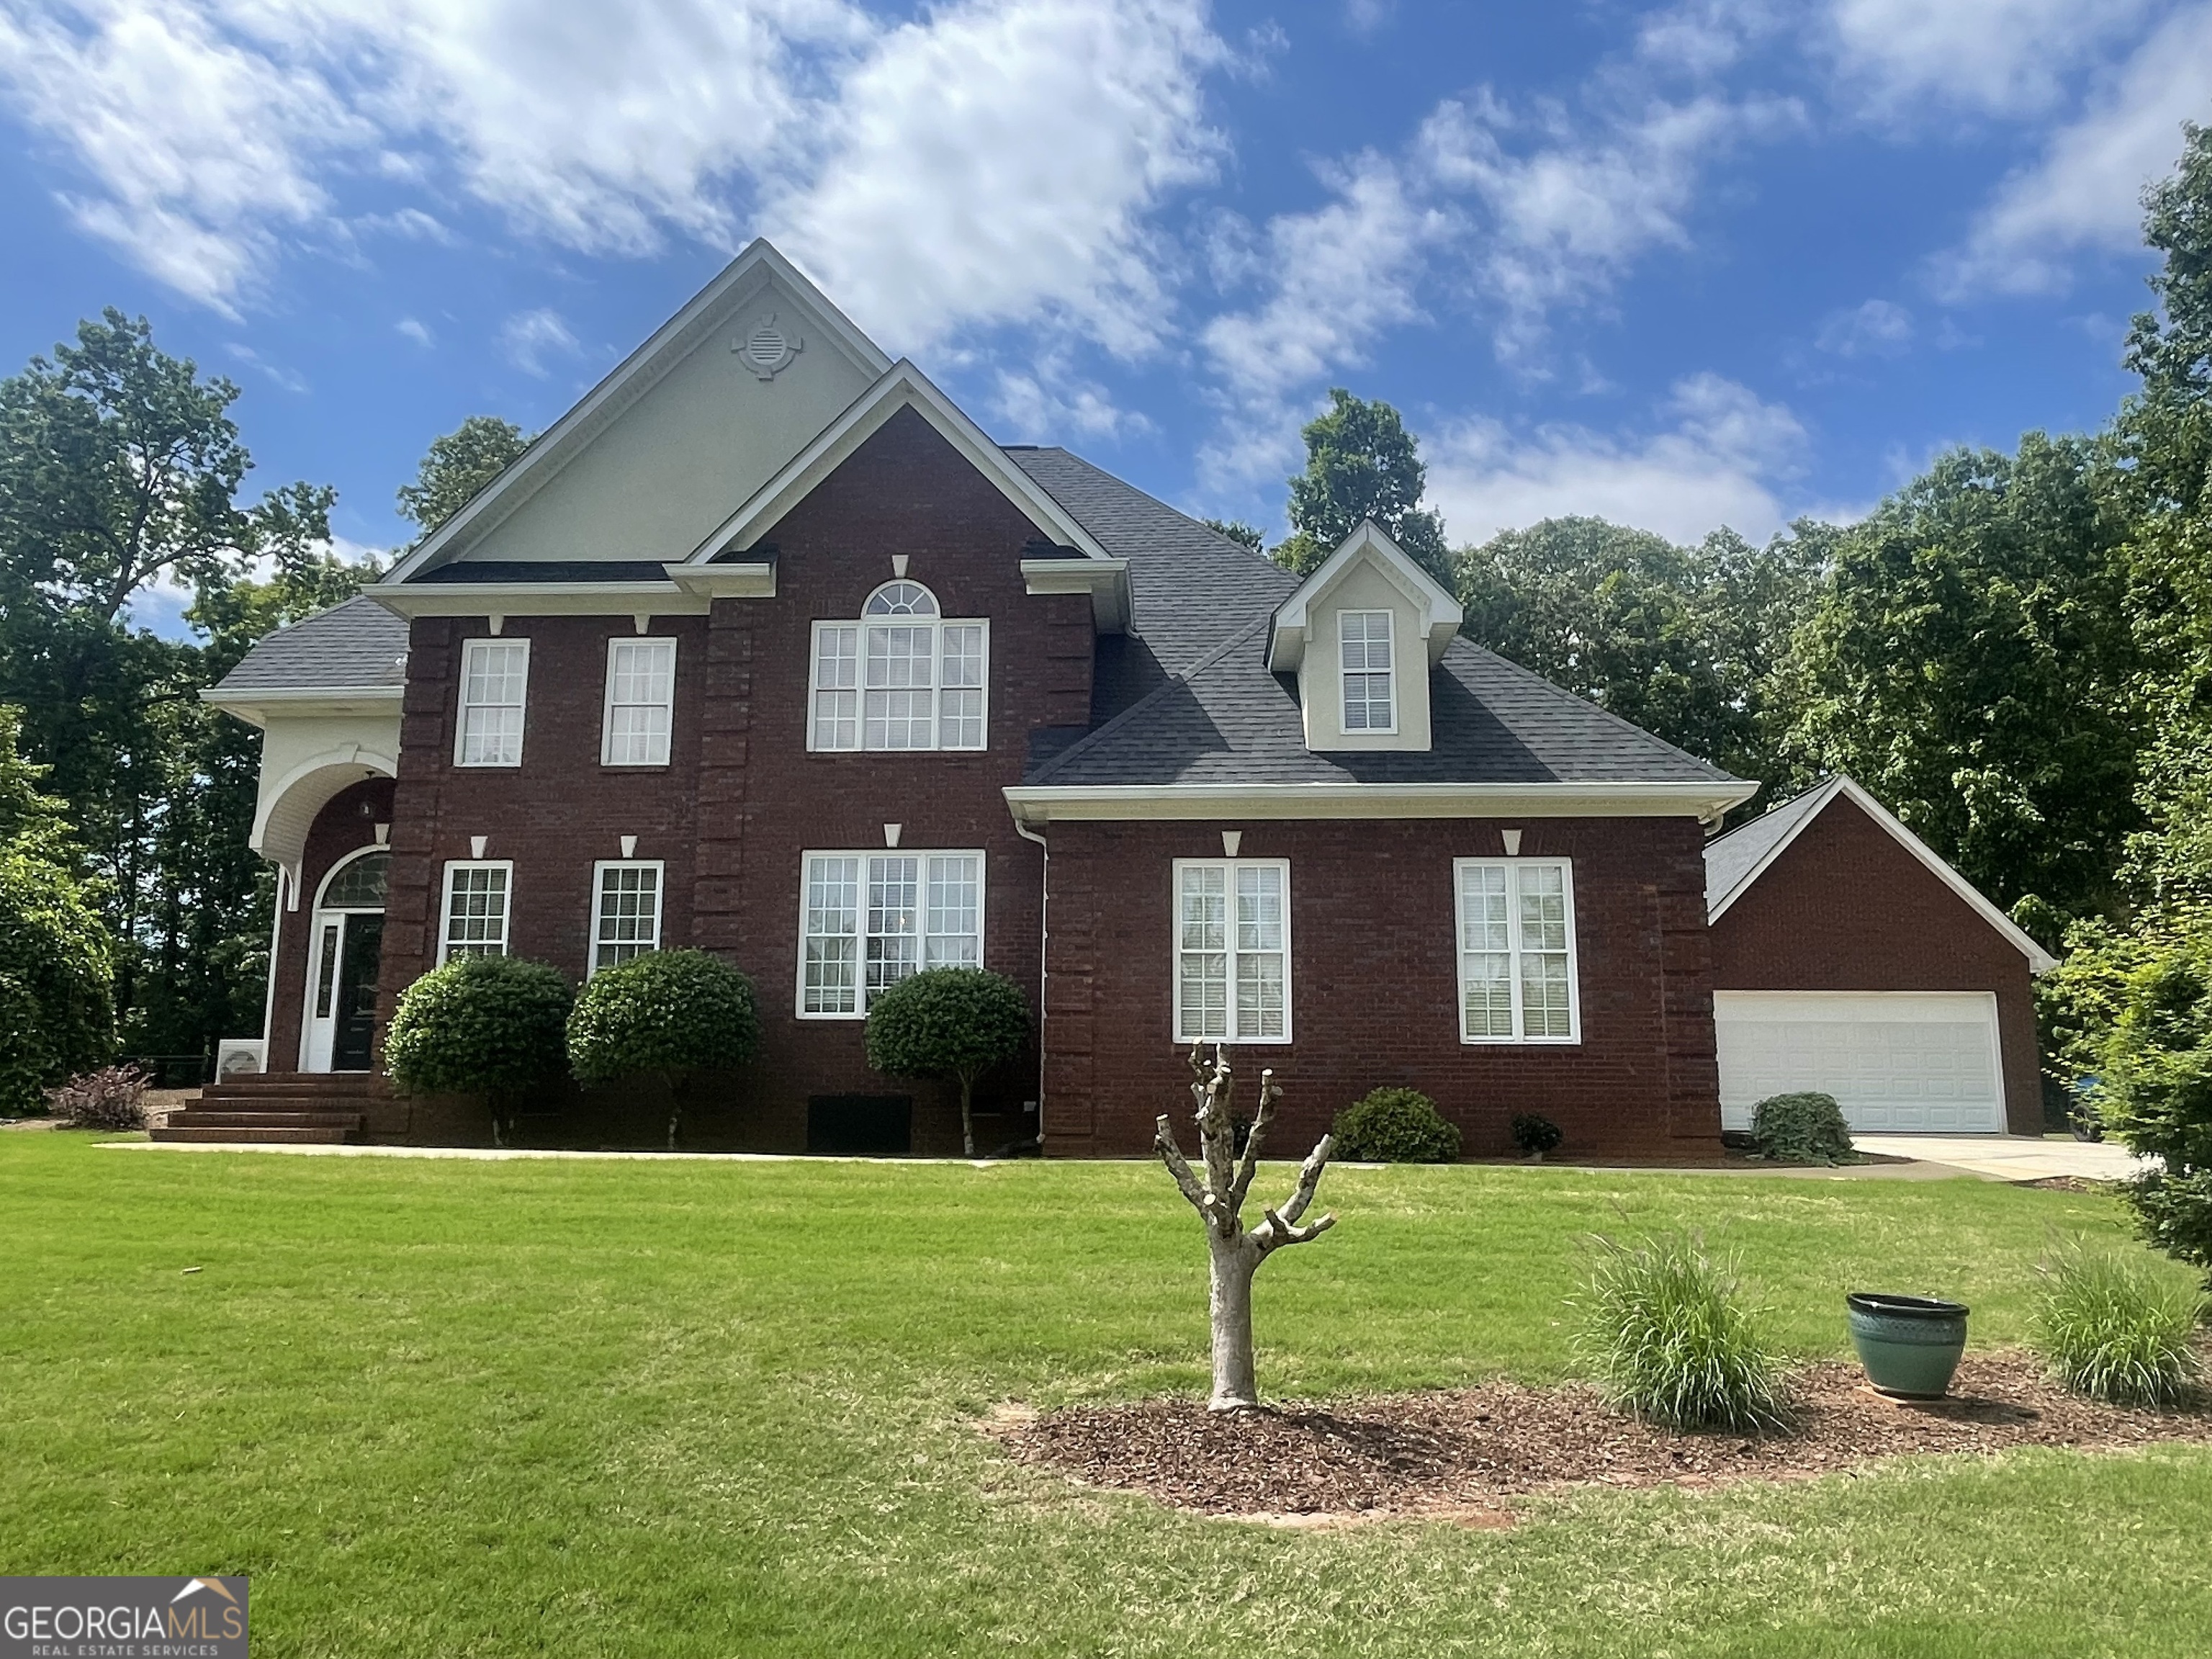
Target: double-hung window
(625, 911)
(1233, 967)
(1516, 950)
(1364, 639)
(868, 920)
(476, 908)
(641, 700)
(900, 677)
(494, 683)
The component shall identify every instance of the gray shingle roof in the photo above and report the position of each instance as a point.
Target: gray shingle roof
(1731, 858)
(358, 643)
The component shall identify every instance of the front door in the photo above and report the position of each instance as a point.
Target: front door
(360, 955)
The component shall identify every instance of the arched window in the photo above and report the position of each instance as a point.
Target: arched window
(899, 677)
(359, 884)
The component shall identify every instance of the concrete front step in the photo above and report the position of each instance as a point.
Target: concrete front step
(265, 1137)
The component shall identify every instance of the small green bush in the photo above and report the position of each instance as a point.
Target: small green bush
(1535, 1135)
(2157, 1086)
(496, 1026)
(2113, 1329)
(954, 1023)
(1666, 1337)
(669, 1014)
(111, 1098)
(1395, 1125)
(1803, 1129)
(56, 979)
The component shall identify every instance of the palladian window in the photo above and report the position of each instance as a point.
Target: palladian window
(902, 677)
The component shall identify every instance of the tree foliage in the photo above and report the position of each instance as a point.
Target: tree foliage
(2156, 1090)
(1361, 462)
(669, 1014)
(954, 1023)
(458, 466)
(496, 1026)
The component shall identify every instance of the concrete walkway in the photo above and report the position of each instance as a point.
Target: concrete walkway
(2011, 1158)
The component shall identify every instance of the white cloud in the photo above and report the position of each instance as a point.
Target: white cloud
(1720, 461)
(2084, 193)
(416, 330)
(1878, 328)
(529, 337)
(285, 379)
(2003, 57)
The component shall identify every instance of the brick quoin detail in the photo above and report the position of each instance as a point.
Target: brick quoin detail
(1845, 909)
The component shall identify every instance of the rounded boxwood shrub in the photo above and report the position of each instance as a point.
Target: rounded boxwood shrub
(1801, 1128)
(1394, 1125)
(496, 1026)
(1535, 1135)
(954, 1023)
(669, 1014)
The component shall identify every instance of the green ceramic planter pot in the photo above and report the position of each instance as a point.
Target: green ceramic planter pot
(1910, 1344)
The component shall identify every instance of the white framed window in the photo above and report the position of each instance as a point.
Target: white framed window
(625, 910)
(1517, 981)
(641, 702)
(479, 893)
(494, 685)
(902, 677)
(1232, 966)
(1370, 703)
(868, 920)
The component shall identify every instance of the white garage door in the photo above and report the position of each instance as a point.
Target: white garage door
(1900, 1061)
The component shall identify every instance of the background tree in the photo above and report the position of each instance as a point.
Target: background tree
(495, 1026)
(1237, 531)
(954, 1023)
(1234, 1253)
(1361, 462)
(665, 1014)
(456, 466)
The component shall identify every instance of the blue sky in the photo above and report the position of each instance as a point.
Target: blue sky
(1680, 265)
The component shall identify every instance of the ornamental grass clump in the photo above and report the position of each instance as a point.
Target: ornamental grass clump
(1801, 1128)
(2115, 1329)
(1667, 1338)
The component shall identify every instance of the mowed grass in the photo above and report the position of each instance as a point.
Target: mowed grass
(675, 1409)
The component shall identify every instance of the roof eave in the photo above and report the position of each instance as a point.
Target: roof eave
(1033, 804)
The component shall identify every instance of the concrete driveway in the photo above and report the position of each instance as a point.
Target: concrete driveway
(2011, 1158)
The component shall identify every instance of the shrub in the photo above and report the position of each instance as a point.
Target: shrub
(113, 1097)
(1395, 1125)
(2113, 1329)
(1535, 1135)
(2156, 1091)
(670, 1014)
(1803, 1129)
(56, 979)
(1666, 1337)
(949, 1022)
(490, 1025)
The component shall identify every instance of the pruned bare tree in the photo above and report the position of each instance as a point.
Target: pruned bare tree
(1220, 1200)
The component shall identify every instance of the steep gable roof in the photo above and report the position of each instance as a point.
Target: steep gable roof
(1369, 545)
(1734, 861)
(355, 646)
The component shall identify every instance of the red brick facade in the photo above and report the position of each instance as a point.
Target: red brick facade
(1845, 909)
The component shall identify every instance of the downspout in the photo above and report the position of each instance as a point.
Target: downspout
(1044, 945)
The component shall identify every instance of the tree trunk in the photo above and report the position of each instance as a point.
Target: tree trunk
(675, 1108)
(967, 1116)
(1235, 1388)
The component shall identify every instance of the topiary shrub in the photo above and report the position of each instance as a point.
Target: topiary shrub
(495, 1026)
(1665, 1337)
(1395, 1125)
(57, 978)
(112, 1098)
(2113, 1329)
(669, 1014)
(1535, 1135)
(1801, 1128)
(952, 1023)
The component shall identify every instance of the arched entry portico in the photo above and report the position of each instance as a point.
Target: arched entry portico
(345, 952)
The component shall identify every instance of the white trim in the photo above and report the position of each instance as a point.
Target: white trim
(346, 754)
(937, 623)
(498, 600)
(1106, 580)
(902, 387)
(1440, 611)
(1518, 1036)
(446, 906)
(706, 312)
(616, 643)
(253, 707)
(1229, 867)
(864, 855)
(461, 704)
(732, 579)
(2039, 961)
(1121, 802)
(319, 1032)
(591, 940)
(1389, 673)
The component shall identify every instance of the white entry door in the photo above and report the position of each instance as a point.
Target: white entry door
(1904, 1062)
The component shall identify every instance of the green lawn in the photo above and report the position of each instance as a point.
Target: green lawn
(706, 1409)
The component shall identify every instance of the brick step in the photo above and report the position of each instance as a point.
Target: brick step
(195, 1117)
(260, 1137)
(296, 1083)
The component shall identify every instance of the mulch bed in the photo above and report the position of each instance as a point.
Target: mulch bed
(1466, 1452)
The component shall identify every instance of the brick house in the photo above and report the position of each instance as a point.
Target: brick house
(766, 648)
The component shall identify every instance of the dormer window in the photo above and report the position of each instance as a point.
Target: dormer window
(900, 677)
(1370, 704)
